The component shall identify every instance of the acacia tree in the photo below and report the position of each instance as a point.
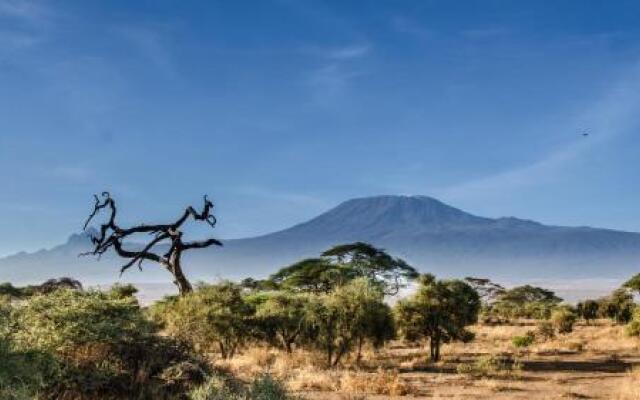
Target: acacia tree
(112, 236)
(342, 264)
(439, 311)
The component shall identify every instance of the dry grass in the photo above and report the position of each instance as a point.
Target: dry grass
(599, 352)
(629, 388)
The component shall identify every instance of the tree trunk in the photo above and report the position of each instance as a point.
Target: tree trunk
(180, 280)
(434, 348)
(359, 355)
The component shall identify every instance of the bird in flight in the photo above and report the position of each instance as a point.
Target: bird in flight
(585, 132)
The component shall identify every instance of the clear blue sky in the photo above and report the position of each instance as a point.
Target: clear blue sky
(281, 109)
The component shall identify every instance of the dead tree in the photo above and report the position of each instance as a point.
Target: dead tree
(112, 236)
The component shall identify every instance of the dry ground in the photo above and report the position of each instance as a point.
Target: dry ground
(593, 362)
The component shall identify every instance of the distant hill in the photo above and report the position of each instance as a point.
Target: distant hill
(429, 234)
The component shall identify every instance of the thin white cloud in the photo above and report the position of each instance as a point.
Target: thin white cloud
(331, 79)
(342, 53)
(614, 115)
(349, 52)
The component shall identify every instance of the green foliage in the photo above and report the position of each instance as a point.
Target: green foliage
(440, 311)
(618, 306)
(96, 345)
(525, 340)
(563, 319)
(588, 310)
(525, 302)
(123, 291)
(315, 275)
(64, 320)
(345, 318)
(212, 318)
(633, 327)
(280, 317)
(342, 264)
(263, 387)
(22, 374)
(8, 290)
(633, 284)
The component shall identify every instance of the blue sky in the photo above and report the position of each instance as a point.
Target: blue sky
(281, 109)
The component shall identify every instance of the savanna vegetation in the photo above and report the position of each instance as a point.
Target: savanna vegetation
(321, 327)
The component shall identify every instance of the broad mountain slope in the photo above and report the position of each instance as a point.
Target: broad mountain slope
(426, 232)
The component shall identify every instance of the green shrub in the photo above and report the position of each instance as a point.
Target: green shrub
(99, 345)
(212, 318)
(563, 320)
(221, 387)
(633, 328)
(524, 340)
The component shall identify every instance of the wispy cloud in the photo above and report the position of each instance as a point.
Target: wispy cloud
(613, 115)
(332, 79)
(342, 53)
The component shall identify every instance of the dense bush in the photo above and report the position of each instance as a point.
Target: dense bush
(88, 345)
(563, 319)
(263, 387)
(346, 318)
(633, 327)
(213, 318)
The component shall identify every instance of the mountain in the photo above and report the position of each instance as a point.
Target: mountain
(429, 234)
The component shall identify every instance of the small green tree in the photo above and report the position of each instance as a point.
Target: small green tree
(439, 311)
(213, 317)
(525, 302)
(343, 319)
(588, 310)
(618, 306)
(280, 317)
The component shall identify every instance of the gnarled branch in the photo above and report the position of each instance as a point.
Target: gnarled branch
(112, 236)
